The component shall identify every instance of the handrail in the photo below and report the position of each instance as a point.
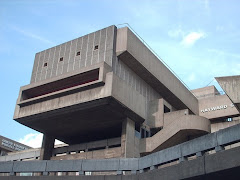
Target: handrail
(178, 153)
(148, 46)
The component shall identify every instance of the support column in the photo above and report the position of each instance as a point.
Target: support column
(128, 138)
(47, 147)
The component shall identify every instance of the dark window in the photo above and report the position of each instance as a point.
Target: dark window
(61, 59)
(72, 81)
(45, 64)
(96, 47)
(142, 133)
(166, 109)
(147, 134)
(78, 53)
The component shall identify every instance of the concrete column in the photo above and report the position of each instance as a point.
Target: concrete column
(47, 147)
(128, 138)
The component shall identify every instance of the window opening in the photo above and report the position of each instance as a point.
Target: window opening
(78, 53)
(96, 47)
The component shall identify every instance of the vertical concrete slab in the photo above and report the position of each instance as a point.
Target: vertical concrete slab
(47, 147)
(127, 138)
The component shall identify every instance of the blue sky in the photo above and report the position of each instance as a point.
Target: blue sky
(198, 39)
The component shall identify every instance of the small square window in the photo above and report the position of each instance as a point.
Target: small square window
(78, 53)
(45, 65)
(96, 47)
(61, 59)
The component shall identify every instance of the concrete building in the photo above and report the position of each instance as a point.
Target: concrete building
(107, 95)
(217, 107)
(119, 109)
(7, 145)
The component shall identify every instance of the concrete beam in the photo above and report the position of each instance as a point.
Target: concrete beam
(127, 138)
(47, 147)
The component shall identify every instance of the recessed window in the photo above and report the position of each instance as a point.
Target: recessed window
(61, 59)
(96, 47)
(78, 53)
(166, 109)
(45, 65)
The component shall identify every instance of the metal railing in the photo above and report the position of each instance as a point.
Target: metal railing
(196, 147)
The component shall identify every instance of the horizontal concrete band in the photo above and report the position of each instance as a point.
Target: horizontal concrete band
(213, 166)
(194, 147)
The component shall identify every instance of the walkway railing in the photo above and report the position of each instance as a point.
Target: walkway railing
(182, 152)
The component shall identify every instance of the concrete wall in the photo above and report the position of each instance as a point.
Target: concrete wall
(172, 116)
(222, 125)
(105, 39)
(205, 92)
(134, 80)
(52, 102)
(146, 64)
(128, 96)
(217, 107)
(231, 85)
(97, 154)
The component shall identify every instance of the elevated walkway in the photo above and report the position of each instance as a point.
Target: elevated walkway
(202, 157)
(179, 130)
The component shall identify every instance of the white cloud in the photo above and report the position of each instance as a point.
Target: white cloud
(34, 140)
(191, 38)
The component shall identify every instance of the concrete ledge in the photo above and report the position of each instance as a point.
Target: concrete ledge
(68, 165)
(226, 135)
(203, 143)
(29, 166)
(206, 164)
(6, 167)
(100, 165)
(167, 155)
(130, 163)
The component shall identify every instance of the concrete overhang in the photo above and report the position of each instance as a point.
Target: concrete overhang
(145, 64)
(231, 86)
(85, 112)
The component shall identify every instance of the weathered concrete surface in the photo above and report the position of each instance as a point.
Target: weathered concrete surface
(142, 61)
(205, 92)
(222, 125)
(128, 139)
(103, 108)
(47, 147)
(155, 113)
(176, 132)
(231, 85)
(105, 39)
(217, 107)
(221, 165)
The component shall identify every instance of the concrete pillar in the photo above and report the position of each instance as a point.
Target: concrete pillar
(128, 138)
(47, 147)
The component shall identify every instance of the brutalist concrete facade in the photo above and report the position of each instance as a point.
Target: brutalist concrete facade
(106, 87)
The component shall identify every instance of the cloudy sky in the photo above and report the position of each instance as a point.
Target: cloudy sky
(198, 39)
